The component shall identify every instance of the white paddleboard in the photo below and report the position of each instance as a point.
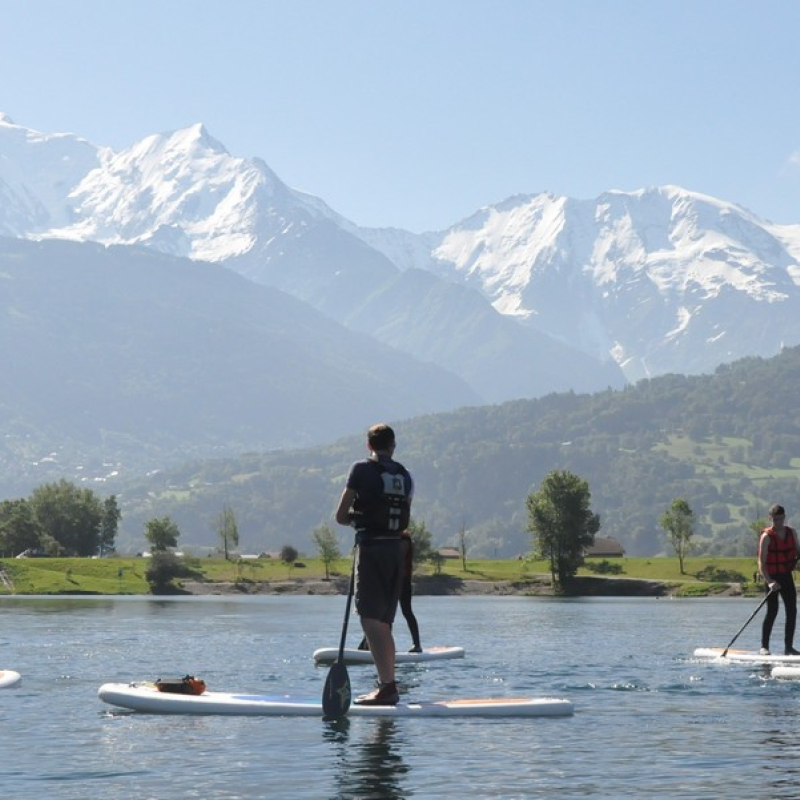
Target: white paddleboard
(745, 656)
(792, 673)
(327, 655)
(145, 697)
(9, 678)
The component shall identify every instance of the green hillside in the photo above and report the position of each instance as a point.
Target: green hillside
(729, 443)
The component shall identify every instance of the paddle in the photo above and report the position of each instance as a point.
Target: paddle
(730, 644)
(336, 694)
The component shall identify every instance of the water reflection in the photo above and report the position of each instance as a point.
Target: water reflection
(370, 765)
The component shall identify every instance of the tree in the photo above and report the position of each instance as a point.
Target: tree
(71, 516)
(227, 530)
(19, 529)
(561, 522)
(289, 555)
(327, 546)
(677, 522)
(462, 546)
(108, 524)
(422, 540)
(161, 533)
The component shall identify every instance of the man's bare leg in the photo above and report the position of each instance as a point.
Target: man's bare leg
(381, 643)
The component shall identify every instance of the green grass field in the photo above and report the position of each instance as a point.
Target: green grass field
(127, 575)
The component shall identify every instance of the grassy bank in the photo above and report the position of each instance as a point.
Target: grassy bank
(701, 576)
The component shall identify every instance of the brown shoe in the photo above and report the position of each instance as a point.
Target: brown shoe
(385, 695)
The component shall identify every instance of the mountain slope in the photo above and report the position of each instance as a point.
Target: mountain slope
(183, 194)
(131, 356)
(727, 443)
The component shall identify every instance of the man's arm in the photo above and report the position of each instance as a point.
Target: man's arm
(343, 515)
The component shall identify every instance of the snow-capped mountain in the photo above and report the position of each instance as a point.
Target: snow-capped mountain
(37, 173)
(647, 282)
(183, 194)
(664, 279)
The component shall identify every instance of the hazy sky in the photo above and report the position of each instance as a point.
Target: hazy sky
(415, 113)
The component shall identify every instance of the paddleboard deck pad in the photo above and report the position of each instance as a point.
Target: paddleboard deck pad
(9, 678)
(327, 655)
(745, 656)
(145, 697)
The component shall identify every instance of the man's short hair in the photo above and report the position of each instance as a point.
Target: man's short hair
(777, 511)
(380, 437)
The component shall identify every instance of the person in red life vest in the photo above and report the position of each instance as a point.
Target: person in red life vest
(778, 552)
(376, 501)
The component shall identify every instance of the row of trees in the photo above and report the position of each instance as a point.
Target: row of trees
(62, 519)
(563, 525)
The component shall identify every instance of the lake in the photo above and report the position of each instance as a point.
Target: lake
(649, 720)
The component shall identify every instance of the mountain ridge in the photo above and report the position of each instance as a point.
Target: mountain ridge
(650, 280)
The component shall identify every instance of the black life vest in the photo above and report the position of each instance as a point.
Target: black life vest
(389, 511)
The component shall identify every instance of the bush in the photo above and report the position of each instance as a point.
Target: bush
(164, 569)
(604, 568)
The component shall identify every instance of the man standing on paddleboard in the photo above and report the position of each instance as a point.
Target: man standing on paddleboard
(376, 501)
(778, 552)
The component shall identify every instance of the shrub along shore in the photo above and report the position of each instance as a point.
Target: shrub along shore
(656, 576)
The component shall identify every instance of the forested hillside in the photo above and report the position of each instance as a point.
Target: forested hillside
(729, 443)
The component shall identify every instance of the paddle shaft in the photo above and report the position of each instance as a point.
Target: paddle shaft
(749, 620)
(347, 608)
(336, 693)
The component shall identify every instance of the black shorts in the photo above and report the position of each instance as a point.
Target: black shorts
(379, 577)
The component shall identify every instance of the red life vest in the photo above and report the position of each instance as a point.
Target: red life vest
(781, 554)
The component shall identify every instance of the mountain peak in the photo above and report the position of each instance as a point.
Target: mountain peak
(196, 137)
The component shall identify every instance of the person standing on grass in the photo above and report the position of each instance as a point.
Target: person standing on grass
(778, 552)
(376, 501)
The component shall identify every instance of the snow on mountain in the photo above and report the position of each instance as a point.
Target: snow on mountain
(181, 193)
(651, 277)
(37, 173)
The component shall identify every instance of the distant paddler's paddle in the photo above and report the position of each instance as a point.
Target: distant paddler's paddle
(336, 694)
(738, 633)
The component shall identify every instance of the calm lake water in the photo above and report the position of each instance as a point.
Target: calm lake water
(650, 721)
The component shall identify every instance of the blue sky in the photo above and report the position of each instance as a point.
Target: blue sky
(415, 113)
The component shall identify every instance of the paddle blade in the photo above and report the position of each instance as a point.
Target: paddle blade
(336, 694)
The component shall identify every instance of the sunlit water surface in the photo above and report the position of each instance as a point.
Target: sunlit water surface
(649, 722)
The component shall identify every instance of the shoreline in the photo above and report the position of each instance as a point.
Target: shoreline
(448, 586)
